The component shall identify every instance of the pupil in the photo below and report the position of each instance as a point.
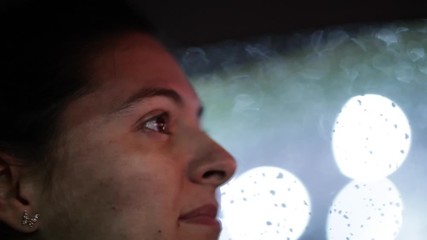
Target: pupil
(161, 124)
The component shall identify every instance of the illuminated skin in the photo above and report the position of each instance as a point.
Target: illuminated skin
(132, 160)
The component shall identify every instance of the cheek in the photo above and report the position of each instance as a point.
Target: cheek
(116, 183)
(118, 173)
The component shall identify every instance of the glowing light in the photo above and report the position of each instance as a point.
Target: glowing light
(366, 211)
(371, 138)
(264, 203)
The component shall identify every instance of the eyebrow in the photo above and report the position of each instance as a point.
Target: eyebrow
(145, 93)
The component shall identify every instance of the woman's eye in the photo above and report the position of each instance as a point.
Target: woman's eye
(159, 123)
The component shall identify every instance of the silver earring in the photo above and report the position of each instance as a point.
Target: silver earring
(29, 221)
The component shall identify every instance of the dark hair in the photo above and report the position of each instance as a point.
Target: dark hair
(44, 46)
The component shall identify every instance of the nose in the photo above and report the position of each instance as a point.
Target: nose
(212, 164)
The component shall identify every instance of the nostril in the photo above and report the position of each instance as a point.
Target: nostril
(214, 173)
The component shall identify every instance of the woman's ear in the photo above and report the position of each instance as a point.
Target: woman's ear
(16, 195)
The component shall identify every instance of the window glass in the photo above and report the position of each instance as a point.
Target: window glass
(329, 128)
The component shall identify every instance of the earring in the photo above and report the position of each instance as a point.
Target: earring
(29, 221)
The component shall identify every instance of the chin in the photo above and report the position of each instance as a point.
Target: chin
(199, 234)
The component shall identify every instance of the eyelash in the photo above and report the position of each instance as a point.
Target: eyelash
(159, 123)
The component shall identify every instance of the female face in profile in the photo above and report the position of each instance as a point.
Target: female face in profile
(130, 160)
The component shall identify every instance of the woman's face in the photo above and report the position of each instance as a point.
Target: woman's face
(132, 161)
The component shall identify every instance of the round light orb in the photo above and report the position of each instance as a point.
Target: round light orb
(371, 138)
(264, 203)
(366, 211)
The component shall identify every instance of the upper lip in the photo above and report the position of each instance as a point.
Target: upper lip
(208, 210)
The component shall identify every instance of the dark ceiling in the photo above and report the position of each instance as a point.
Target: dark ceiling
(193, 22)
(189, 22)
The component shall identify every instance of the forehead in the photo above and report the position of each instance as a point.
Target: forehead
(137, 59)
(130, 63)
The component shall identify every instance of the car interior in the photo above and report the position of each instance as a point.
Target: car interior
(323, 105)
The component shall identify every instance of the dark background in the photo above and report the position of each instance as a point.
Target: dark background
(192, 22)
(196, 22)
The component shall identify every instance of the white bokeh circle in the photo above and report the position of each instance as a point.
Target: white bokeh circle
(264, 203)
(366, 211)
(371, 137)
